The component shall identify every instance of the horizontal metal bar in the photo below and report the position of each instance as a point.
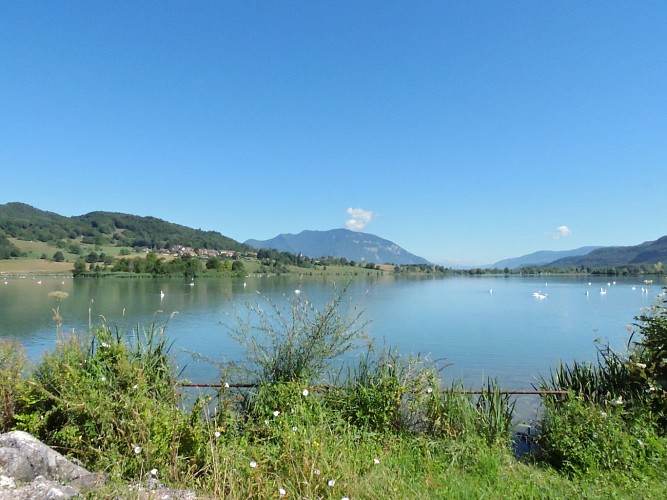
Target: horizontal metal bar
(325, 387)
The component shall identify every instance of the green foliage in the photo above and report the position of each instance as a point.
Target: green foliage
(79, 267)
(648, 359)
(582, 437)
(495, 411)
(114, 404)
(451, 413)
(384, 391)
(12, 363)
(602, 381)
(7, 249)
(298, 342)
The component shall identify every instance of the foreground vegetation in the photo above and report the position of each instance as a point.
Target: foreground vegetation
(385, 426)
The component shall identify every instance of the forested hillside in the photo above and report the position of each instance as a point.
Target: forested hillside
(647, 253)
(25, 222)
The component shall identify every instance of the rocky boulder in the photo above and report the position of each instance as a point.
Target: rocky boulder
(30, 469)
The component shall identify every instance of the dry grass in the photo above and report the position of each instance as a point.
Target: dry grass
(32, 266)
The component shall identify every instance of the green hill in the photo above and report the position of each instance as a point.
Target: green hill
(25, 222)
(647, 253)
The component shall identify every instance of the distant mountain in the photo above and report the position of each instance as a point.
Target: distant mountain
(352, 245)
(541, 258)
(25, 222)
(647, 253)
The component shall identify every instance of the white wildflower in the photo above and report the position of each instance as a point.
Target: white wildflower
(216, 434)
(618, 400)
(135, 386)
(603, 413)
(253, 464)
(153, 472)
(282, 492)
(276, 413)
(295, 428)
(103, 378)
(429, 390)
(266, 422)
(316, 472)
(137, 450)
(226, 385)
(331, 482)
(641, 443)
(376, 461)
(305, 392)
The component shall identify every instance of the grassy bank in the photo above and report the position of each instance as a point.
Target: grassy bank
(387, 427)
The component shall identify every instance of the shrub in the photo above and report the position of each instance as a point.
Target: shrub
(113, 403)
(296, 344)
(384, 391)
(12, 363)
(582, 437)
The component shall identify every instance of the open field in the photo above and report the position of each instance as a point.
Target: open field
(34, 266)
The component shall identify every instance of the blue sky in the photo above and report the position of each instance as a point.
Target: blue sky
(465, 131)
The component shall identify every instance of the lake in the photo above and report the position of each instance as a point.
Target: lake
(479, 326)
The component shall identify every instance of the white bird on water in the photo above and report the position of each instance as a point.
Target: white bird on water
(603, 291)
(161, 295)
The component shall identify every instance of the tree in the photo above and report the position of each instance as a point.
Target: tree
(79, 267)
(58, 257)
(238, 268)
(213, 263)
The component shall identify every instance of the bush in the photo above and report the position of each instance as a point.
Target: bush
(12, 363)
(295, 343)
(384, 391)
(582, 437)
(113, 403)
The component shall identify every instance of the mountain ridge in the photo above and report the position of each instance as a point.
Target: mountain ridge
(542, 257)
(343, 243)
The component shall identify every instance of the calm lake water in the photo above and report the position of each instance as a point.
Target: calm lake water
(480, 326)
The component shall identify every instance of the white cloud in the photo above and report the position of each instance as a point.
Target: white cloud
(359, 219)
(562, 232)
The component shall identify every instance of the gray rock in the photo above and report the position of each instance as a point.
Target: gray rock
(31, 470)
(15, 465)
(42, 489)
(24, 458)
